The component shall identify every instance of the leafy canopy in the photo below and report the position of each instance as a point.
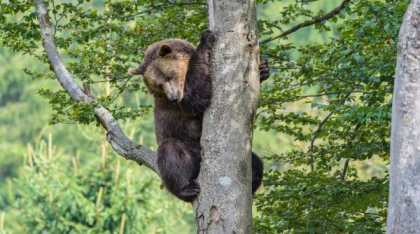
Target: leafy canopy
(99, 45)
(333, 100)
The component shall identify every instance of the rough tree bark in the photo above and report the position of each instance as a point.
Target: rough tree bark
(225, 202)
(224, 205)
(404, 193)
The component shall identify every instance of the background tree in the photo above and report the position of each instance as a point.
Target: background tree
(404, 211)
(59, 194)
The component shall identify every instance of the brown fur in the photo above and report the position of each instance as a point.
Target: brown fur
(178, 76)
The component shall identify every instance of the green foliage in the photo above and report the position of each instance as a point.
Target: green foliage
(328, 102)
(57, 195)
(320, 203)
(344, 88)
(99, 44)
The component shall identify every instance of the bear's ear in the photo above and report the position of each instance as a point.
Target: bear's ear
(164, 50)
(138, 71)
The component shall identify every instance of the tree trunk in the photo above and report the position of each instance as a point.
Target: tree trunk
(404, 196)
(225, 202)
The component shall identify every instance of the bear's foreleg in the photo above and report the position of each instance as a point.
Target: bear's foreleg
(179, 168)
(257, 172)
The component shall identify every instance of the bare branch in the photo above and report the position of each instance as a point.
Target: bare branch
(346, 167)
(115, 136)
(161, 6)
(298, 98)
(316, 20)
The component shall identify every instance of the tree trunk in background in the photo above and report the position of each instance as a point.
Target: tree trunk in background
(404, 196)
(225, 202)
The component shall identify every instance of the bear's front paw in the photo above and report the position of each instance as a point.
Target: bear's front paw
(208, 38)
(264, 70)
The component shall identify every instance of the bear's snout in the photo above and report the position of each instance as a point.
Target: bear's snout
(173, 93)
(173, 99)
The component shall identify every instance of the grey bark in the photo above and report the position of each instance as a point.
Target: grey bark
(225, 202)
(404, 193)
(115, 136)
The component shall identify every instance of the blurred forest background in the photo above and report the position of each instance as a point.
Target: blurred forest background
(64, 178)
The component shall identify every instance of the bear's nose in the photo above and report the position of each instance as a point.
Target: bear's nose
(173, 99)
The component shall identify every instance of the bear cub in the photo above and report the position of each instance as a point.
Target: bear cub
(178, 76)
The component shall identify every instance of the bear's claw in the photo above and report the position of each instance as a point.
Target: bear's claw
(264, 70)
(194, 186)
(190, 192)
(208, 38)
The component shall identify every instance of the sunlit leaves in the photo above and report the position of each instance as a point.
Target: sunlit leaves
(334, 100)
(100, 42)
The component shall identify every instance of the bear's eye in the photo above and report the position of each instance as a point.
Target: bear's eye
(171, 78)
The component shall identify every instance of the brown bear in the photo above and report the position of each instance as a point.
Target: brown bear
(178, 76)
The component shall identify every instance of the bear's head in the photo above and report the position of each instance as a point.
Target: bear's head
(165, 67)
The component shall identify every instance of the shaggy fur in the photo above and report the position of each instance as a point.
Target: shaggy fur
(178, 76)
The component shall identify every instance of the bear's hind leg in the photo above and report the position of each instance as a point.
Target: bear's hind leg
(179, 167)
(257, 172)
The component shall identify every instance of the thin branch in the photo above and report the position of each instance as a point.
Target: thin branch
(346, 167)
(115, 136)
(327, 94)
(65, 13)
(115, 79)
(311, 82)
(161, 6)
(320, 126)
(346, 164)
(298, 98)
(55, 18)
(316, 20)
(27, 50)
(273, 25)
(121, 89)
